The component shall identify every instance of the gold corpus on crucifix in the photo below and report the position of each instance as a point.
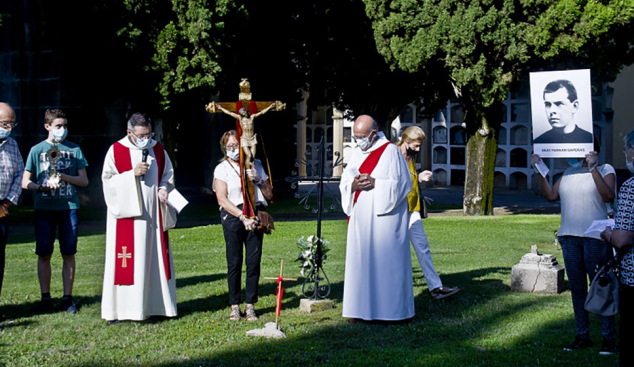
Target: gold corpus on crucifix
(280, 292)
(245, 111)
(248, 137)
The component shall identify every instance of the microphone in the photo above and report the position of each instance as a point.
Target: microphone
(144, 160)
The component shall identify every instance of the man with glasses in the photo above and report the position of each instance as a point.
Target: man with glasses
(11, 167)
(54, 169)
(374, 188)
(139, 272)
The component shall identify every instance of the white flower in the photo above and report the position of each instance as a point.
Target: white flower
(306, 254)
(310, 239)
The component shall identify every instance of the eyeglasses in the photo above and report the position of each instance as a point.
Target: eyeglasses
(232, 147)
(143, 136)
(8, 124)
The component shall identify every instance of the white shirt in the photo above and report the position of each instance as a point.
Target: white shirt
(228, 172)
(581, 202)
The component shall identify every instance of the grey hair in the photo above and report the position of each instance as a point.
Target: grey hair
(629, 139)
(139, 119)
(375, 126)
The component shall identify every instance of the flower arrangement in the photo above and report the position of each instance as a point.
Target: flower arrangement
(308, 252)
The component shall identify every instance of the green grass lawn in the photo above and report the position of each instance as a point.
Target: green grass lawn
(484, 325)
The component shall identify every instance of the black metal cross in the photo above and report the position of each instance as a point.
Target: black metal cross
(312, 287)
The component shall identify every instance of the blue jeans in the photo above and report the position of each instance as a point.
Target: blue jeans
(48, 223)
(4, 234)
(582, 257)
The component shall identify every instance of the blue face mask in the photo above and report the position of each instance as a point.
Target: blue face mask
(574, 163)
(4, 133)
(60, 134)
(233, 154)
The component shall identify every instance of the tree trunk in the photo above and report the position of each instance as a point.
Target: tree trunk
(481, 150)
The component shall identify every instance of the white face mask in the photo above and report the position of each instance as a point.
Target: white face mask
(60, 134)
(233, 154)
(4, 133)
(365, 143)
(142, 143)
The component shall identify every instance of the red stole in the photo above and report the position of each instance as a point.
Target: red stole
(368, 166)
(124, 259)
(248, 208)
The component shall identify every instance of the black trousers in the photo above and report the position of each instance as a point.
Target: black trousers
(237, 239)
(626, 331)
(4, 234)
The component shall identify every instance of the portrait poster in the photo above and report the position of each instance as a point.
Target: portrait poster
(561, 109)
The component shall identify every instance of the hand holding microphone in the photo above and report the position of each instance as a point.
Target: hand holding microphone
(141, 169)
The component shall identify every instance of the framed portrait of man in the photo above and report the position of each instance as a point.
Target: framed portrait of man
(561, 108)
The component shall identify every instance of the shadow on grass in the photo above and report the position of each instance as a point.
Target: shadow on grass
(27, 309)
(10, 324)
(483, 325)
(450, 341)
(190, 281)
(216, 302)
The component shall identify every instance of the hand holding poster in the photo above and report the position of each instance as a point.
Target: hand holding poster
(561, 107)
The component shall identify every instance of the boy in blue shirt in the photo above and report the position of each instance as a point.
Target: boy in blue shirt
(54, 169)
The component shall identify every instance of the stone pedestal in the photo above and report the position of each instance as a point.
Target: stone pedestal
(537, 273)
(309, 305)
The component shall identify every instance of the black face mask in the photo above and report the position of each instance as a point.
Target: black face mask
(411, 152)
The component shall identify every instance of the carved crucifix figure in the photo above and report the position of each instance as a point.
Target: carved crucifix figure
(246, 116)
(248, 139)
(245, 111)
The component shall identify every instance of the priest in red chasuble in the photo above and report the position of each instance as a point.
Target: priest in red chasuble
(374, 188)
(139, 272)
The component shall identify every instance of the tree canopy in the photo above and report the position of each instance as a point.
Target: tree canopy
(326, 47)
(179, 39)
(483, 47)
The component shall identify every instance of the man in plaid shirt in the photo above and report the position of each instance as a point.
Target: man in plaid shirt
(11, 168)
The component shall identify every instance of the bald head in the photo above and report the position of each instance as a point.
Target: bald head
(364, 125)
(6, 112)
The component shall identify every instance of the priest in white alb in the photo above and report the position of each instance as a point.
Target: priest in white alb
(374, 188)
(139, 271)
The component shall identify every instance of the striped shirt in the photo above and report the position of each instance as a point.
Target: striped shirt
(11, 169)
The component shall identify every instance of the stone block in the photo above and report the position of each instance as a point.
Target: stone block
(537, 273)
(309, 305)
(269, 331)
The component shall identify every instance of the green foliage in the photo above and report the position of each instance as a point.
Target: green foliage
(183, 37)
(485, 45)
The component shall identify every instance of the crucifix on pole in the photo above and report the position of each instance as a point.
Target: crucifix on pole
(246, 110)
